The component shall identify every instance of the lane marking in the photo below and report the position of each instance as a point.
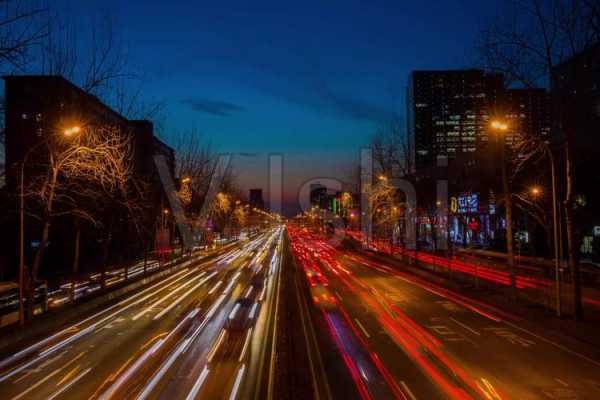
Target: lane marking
(40, 382)
(41, 343)
(183, 296)
(362, 328)
(68, 385)
(68, 375)
(246, 342)
(573, 352)
(43, 365)
(196, 388)
(489, 390)
(166, 296)
(407, 390)
(465, 326)
(238, 382)
(561, 382)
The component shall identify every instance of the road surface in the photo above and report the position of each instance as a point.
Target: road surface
(400, 337)
(156, 342)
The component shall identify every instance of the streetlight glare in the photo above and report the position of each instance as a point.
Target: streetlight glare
(73, 130)
(499, 125)
(536, 191)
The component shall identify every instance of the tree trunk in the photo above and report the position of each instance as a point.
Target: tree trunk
(145, 256)
(39, 255)
(105, 247)
(509, 227)
(571, 251)
(75, 260)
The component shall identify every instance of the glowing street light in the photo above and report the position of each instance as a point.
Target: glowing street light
(186, 179)
(501, 128)
(71, 131)
(536, 191)
(499, 125)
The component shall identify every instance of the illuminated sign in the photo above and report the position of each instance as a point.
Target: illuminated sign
(453, 205)
(468, 204)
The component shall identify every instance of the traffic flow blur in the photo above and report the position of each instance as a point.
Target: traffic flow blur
(401, 337)
(199, 333)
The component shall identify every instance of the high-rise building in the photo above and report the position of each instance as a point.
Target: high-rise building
(39, 110)
(318, 193)
(256, 199)
(577, 96)
(448, 112)
(527, 112)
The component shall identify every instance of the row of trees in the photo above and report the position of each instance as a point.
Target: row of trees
(85, 174)
(525, 43)
(198, 170)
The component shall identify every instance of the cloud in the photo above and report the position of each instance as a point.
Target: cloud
(213, 107)
(247, 154)
(352, 107)
(307, 88)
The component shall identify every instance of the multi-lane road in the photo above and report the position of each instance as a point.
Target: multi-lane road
(400, 337)
(278, 318)
(203, 332)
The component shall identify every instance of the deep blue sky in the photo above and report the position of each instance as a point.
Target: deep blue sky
(310, 80)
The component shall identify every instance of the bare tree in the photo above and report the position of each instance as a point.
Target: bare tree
(526, 44)
(72, 172)
(100, 65)
(392, 150)
(21, 30)
(195, 166)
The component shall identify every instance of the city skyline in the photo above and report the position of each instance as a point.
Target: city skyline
(323, 200)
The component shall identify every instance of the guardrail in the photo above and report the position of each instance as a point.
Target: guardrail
(92, 284)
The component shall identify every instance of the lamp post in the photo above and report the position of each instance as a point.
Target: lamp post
(69, 132)
(555, 224)
(536, 191)
(501, 128)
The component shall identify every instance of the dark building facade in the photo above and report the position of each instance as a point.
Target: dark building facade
(256, 199)
(576, 96)
(527, 112)
(449, 116)
(448, 113)
(41, 108)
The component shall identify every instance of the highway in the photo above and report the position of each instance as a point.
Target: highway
(200, 333)
(290, 316)
(396, 336)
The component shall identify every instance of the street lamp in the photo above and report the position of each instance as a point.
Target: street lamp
(557, 254)
(382, 178)
(500, 127)
(69, 132)
(535, 191)
(186, 179)
(73, 130)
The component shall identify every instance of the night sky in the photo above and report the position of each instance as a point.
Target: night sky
(309, 80)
